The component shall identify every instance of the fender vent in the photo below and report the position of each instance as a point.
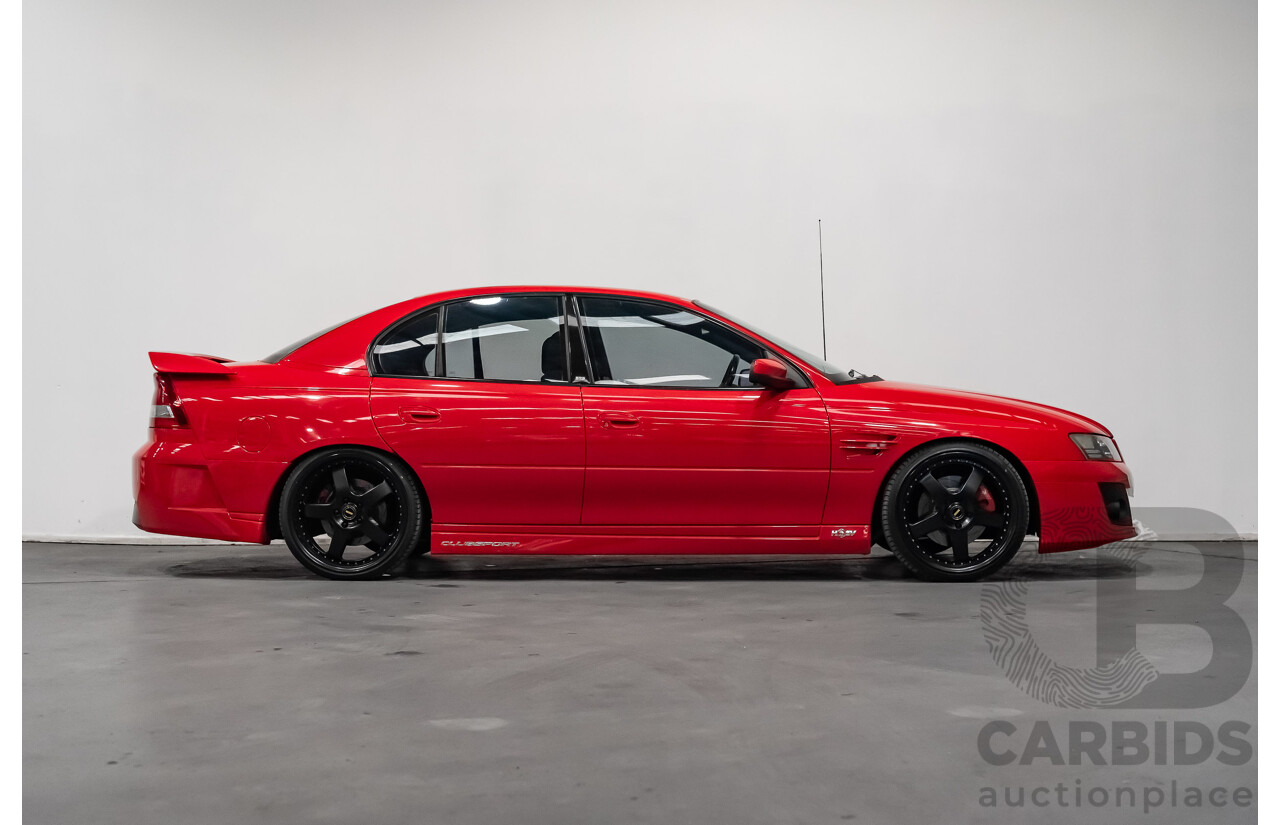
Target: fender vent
(867, 443)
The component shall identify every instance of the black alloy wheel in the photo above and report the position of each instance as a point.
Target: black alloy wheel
(350, 513)
(955, 512)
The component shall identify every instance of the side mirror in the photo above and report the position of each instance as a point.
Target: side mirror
(770, 373)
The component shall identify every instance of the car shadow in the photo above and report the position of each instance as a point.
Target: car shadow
(876, 567)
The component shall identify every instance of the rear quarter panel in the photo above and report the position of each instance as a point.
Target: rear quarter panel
(251, 425)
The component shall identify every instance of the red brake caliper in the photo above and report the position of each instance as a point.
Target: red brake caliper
(985, 501)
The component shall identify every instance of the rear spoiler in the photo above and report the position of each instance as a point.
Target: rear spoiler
(186, 363)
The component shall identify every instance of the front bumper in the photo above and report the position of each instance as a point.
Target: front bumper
(1081, 503)
(174, 493)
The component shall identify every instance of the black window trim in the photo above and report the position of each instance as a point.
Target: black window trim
(568, 306)
(572, 311)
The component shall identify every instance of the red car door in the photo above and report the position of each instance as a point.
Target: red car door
(475, 396)
(677, 435)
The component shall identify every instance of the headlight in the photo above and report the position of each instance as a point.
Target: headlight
(1096, 447)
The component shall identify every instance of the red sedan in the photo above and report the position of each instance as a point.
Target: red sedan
(573, 420)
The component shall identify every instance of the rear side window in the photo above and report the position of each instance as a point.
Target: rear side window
(409, 349)
(505, 338)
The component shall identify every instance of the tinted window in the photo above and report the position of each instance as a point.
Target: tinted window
(658, 345)
(837, 375)
(507, 338)
(409, 348)
(280, 354)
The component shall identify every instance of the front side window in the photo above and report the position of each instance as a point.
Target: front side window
(640, 343)
(505, 338)
(837, 375)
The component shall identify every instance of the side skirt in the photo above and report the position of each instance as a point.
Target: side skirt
(715, 540)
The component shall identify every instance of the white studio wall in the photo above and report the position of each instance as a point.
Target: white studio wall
(1054, 201)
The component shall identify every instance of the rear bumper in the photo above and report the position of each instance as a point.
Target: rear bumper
(1074, 497)
(174, 493)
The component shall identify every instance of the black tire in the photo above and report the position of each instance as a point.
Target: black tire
(424, 544)
(350, 513)
(945, 497)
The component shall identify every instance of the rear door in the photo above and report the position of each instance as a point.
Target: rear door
(475, 394)
(677, 434)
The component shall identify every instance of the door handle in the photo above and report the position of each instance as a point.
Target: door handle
(620, 420)
(420, 415)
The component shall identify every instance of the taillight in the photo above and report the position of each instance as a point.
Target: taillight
(166, 406)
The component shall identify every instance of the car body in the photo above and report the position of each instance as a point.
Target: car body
(785, 454)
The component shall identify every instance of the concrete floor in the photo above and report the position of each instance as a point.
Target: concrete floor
(223, 684)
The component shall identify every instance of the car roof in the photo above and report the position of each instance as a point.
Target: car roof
(525, 288)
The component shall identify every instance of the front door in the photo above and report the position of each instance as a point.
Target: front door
(676, 434)
(475, 395)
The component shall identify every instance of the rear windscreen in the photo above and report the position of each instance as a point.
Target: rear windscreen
(280, 354)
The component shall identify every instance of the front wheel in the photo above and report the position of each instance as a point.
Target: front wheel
(955, 512)
(350, 513)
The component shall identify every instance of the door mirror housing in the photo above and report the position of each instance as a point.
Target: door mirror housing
(770, 373)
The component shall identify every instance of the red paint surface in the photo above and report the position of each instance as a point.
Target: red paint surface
(544, 468)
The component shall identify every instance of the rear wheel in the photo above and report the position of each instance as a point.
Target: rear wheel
(955, 512)
(350, 513)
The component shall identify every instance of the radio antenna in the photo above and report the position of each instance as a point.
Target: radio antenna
(822, 293)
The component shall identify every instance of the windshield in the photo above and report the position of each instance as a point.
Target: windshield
(833, 373)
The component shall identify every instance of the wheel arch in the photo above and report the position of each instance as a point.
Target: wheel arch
(273, 503)
(1033, 499)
